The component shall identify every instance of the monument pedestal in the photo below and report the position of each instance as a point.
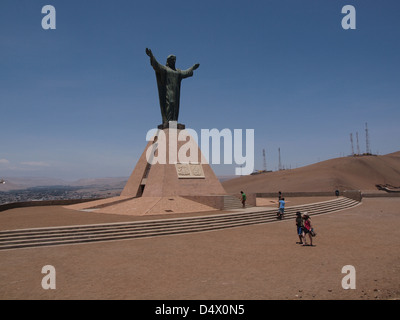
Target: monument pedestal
(170, 176)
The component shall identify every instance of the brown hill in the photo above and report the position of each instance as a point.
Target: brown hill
(348, 173)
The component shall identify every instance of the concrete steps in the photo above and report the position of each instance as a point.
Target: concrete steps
(232, 202)
(28, 238)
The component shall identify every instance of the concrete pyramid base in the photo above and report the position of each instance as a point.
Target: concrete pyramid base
(161, 178)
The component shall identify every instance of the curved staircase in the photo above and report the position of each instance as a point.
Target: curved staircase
(28, 238)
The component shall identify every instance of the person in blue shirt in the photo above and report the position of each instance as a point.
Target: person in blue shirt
(299, 226)
(281, 208)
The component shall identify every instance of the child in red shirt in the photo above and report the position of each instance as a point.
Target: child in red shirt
(307, 229)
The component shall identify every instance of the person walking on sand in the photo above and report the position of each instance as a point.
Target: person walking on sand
(281, 208)
(307, 229)
(243, 199)
(299, 226)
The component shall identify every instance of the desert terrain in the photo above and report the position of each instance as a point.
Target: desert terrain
(256, 262)
(347, 173)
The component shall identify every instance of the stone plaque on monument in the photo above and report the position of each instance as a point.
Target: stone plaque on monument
(189, 170)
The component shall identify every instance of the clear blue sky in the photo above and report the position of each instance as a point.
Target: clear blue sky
(77, 101)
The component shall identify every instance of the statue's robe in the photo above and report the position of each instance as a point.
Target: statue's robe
(169, 89)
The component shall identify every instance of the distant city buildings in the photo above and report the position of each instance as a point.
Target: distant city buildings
(54, 193)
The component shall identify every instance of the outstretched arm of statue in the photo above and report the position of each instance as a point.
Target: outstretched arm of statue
(189, 72)
(149, 53)
(154, 63)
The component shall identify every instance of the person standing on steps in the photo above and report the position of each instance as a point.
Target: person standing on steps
(243, 199)
(281, 208)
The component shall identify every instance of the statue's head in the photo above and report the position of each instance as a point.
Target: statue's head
(171, 59)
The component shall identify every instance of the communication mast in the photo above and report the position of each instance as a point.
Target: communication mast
(280, 163)
(352, 146)
(368, 150)
(264, 161)
(358, 145)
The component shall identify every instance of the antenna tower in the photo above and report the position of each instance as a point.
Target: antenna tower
(358, 145)
(352, 146)
(368, 150)
(280, 163)
(264, 161)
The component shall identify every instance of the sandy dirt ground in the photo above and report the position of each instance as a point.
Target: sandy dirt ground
(258, 262)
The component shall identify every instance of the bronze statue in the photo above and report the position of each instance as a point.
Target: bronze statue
(169, 86)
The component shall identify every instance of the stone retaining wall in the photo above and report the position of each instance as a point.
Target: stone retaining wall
(216, 202)
(39, 203)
